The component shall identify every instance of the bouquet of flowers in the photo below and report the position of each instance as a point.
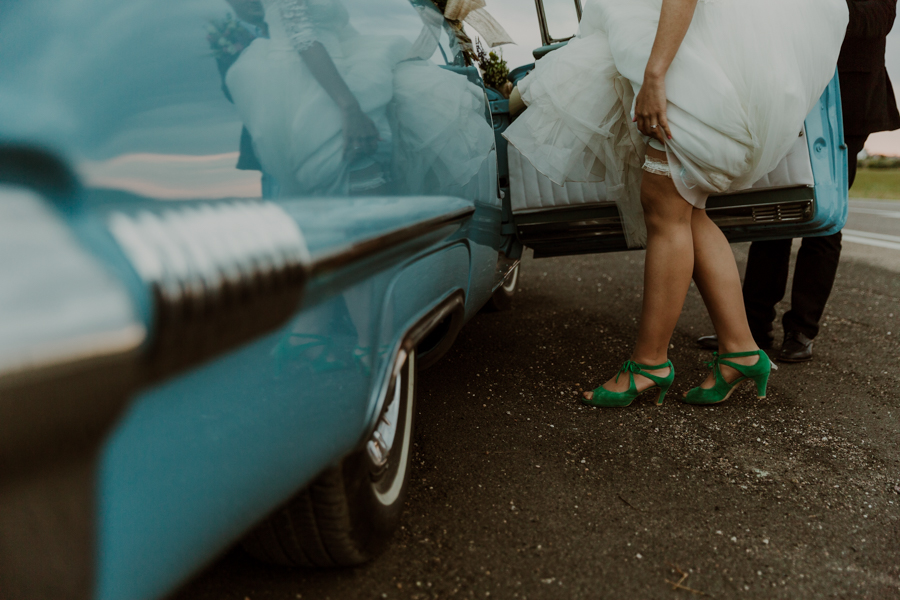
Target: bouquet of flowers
(227, 37)
(494, 69)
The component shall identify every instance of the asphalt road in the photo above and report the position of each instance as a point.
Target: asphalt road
(520, 492)
(873, 229)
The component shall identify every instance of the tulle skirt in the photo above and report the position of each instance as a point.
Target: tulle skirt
(745, 77)
(443, 137)
(296, 127)
(430, 120)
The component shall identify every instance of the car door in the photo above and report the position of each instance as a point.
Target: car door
(806, 194)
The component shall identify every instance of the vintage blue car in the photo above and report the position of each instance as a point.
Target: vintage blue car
(232, 233)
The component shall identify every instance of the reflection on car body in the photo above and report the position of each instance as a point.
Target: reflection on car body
(228, 249)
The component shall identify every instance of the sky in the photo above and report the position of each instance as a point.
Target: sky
(519, 17)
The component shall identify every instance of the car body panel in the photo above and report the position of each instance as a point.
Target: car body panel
(199, 460)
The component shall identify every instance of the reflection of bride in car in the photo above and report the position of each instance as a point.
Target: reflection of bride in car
(316, 95)
(443, 135)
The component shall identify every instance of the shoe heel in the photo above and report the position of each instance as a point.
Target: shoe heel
(662, 394)
(761, 383)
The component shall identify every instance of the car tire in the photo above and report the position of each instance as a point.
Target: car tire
(346, 516)
(502, 297)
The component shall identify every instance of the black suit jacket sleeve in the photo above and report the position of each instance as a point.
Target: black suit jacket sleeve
(871, 19)
(867, 96)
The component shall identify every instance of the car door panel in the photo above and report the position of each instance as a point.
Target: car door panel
(806, 194)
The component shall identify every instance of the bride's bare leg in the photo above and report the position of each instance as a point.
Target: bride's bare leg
(667, 273)
(717, 278)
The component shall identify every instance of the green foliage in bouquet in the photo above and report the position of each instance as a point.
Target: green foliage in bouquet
(227, 38)
(494, 69)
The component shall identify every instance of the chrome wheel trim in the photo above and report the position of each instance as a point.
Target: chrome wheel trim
(382, 440)
(389, 496)
(509, 286)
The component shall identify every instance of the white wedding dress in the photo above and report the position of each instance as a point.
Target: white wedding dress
(739, 89)
(434, 137)
(295, 125)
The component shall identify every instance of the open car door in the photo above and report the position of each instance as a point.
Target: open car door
(805, 195)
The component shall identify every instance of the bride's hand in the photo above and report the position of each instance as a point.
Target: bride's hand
(360, 135)
(650, 110)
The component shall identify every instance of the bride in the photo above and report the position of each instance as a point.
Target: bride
(314, 97)
(332, 111)
(669, 101)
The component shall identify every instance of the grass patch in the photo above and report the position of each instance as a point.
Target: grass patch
(883, 184)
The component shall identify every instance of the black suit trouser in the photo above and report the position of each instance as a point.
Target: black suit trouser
(765, 280)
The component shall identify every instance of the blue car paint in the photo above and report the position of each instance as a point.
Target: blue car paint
(828, 157)
(197, 461)
(828, 153)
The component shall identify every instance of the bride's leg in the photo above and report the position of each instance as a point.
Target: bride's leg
(667, 272)
(717, 278)
(516, 104)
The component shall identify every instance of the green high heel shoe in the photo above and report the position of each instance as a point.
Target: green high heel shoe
(758, 373)
(606, 398)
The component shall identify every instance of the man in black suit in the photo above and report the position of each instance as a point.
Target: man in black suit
(869, 105)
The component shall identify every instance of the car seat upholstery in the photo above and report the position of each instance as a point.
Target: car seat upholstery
(532, 191)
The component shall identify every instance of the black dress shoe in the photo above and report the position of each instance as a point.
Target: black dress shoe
(796, 348)
(708, 342)
(711, 342)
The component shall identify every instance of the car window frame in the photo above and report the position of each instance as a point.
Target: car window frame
(546, 38)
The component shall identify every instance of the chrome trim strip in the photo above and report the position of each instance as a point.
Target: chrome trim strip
(578, 208)
(223, 273)
(774, 188)
(345, 256)
(453, 305)
(556, 229)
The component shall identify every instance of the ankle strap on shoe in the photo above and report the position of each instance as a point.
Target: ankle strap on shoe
(668, 363)
(718, 360)
(637, 368)
(736, 354)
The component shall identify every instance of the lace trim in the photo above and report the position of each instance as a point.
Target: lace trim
(297, 24)
(657, 167)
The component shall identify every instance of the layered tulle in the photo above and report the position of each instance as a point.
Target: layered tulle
(442, 136)
(743, 81)
(431, 121)
(295, 125)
